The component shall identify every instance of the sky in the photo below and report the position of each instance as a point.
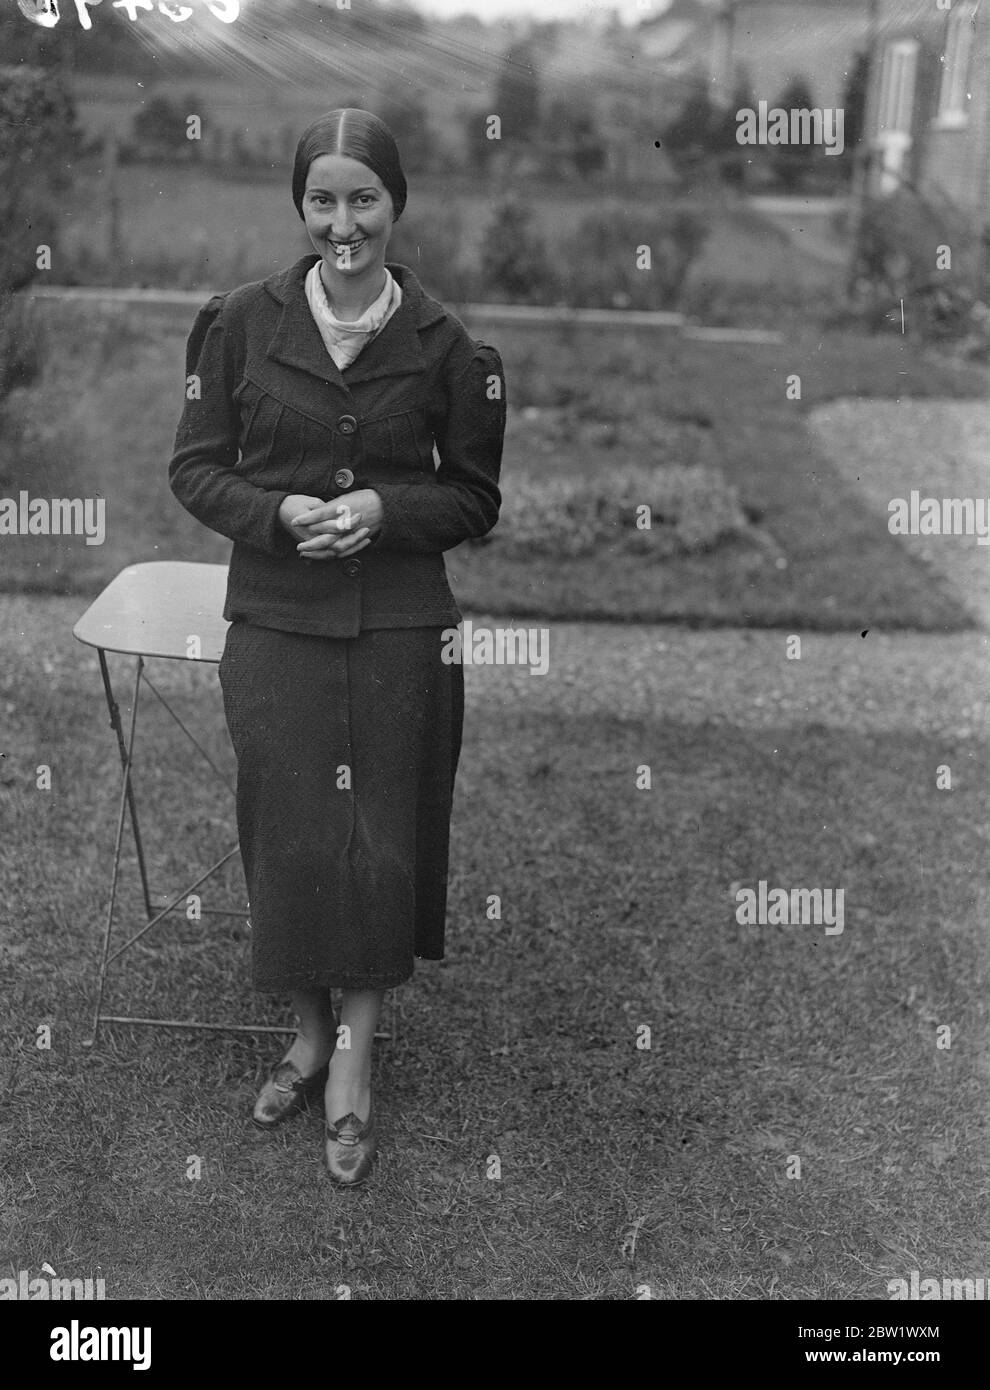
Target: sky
(630, 11)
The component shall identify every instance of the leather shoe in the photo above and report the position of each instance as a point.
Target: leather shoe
(284, 1093)
(351, 1145)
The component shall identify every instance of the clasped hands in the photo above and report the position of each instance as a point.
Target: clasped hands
(332, 530)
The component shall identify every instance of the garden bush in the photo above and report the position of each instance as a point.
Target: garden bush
(516, 266)
(902, 241)
(599, 258)
(692, 508)
(39, 140)
(429, 240)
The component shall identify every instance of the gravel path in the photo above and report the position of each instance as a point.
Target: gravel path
(885, 681)
(941, 449)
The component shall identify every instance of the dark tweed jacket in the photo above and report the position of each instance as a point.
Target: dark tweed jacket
(276, 416)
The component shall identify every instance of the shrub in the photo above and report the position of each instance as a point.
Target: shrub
(897, 259)
(39, 139)
(695, 135)
(692, 509)
(22, 343)
(160, 129)
(896, 247)
(600, 257)
(429, 240)
(515, 266)
(23, 354)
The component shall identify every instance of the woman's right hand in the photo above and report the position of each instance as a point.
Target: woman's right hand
(327, 546)
(297, 504)
(300, 504)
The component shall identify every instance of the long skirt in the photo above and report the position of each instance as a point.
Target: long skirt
(346, 750)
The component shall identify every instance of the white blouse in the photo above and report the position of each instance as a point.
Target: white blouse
(343, 339)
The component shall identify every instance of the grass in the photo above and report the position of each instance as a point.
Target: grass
(619, 1167)
(190, 228)
(582, 405)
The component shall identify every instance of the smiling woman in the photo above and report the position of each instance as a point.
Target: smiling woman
(322, 393)
(347, 206)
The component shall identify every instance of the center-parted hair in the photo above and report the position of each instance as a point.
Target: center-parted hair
(359, 135)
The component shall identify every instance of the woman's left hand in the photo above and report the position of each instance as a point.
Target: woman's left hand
(342, 527)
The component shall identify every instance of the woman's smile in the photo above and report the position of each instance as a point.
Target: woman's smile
(348, 215)
(339, 247)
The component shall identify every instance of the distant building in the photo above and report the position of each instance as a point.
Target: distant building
(928, 119)
(769, 42)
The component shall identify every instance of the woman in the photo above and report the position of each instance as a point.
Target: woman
(314, 400)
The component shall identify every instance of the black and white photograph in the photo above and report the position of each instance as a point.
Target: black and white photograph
(494, 674)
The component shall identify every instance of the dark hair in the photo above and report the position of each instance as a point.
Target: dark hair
(358, 134)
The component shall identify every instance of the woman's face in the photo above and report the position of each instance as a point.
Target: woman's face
(348, 215)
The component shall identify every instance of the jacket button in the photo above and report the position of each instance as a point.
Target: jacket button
(343, 477)
(352, 568)
(347, 424)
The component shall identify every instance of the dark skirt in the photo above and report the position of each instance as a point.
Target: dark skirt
(346, 751)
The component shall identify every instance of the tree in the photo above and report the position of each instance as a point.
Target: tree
(791, 163)
(514, 261)
(39, 141)
(478, 149)
(517, 94)
(407, 119)
(854, 100)
(693, 137)
(734, 158)
(160, 128)
(570, 133)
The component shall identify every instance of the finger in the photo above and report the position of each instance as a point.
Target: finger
(316, 543)
(349, 543)
(328, 513)
(343, 526)
(350, 536)
(311, 552)
(353, 548)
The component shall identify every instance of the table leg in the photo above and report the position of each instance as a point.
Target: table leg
(126, 750)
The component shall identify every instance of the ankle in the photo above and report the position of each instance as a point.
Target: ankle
(350, 1068)
(309, 1053)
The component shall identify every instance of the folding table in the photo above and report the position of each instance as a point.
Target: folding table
(171, 609)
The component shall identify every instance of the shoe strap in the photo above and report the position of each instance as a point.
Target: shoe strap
(348, 1129)
(280, 1072)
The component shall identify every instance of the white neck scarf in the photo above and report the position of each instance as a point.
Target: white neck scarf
(345, 339)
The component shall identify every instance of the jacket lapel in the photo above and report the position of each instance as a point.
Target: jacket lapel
(296, 341)
(396, 351)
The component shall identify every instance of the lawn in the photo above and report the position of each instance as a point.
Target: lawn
(805, 552)
(620, 1166)
(189, 228)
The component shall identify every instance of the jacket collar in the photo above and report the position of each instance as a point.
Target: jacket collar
(396, 349)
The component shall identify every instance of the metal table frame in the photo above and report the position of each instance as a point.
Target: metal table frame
(151, 610)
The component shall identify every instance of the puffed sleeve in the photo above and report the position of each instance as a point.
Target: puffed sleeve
(463, 499)
(202, 471)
